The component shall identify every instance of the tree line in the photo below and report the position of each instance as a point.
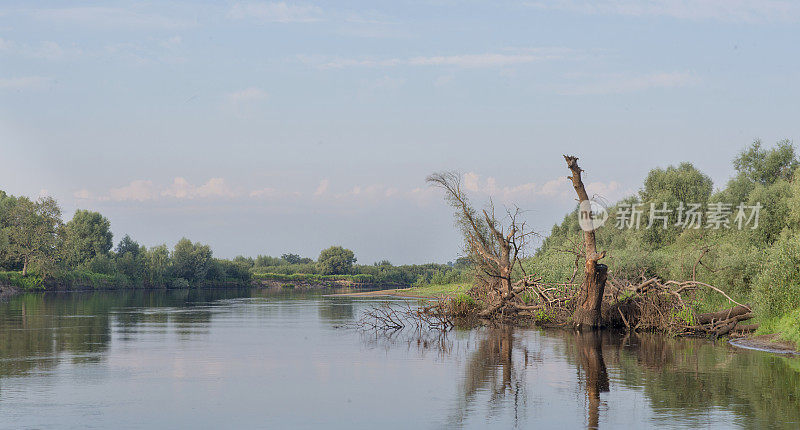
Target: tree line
(39, 250)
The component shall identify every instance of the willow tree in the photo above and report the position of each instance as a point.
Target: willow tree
(33, 232)
(494, 248)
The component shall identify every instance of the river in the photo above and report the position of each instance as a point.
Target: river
(263, 359)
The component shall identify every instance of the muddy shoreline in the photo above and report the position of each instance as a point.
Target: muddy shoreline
(767, 343)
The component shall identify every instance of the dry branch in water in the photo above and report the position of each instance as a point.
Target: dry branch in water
(392, 317)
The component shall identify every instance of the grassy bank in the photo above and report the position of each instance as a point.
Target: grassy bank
(787, 327)
(438, 290)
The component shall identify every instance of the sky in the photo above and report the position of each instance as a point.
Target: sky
(265, 127)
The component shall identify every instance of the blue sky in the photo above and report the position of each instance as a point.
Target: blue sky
(271, 127)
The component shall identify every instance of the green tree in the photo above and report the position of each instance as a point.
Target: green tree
(244, 261)
(88, 234)
(267, 261)
(129, 259)
(777, 288)
(33, 232)
(673, 186)
(156, 263)
(765, 166)
(191, 261)
(335, 261)
(295, 259)
(128, 246)
(6, 204)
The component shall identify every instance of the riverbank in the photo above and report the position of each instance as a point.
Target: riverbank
(767, 342)
(12, 284)
(772, 342)
(433, 291)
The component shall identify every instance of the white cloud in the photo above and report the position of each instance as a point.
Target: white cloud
(109, 17)
(24, 83)
(476, 60)
(182, 189)
(275, 12)
(322, 188)
(265, 192)
(82, 194)
(246, 95)
(46, 50)
(483, 60)
(619, 84)
(143, 190)
(608, 191)
(215, 187)
(368, 192)
(138, 190)
(471, 181)
(554, 188)
(723, 10)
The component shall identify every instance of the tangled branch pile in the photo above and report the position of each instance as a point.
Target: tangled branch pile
(667, 306)
(505, 291)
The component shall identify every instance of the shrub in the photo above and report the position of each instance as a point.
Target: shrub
(180, 283)
(777, 288)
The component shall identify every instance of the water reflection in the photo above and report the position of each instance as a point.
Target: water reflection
(494, 375)
(491, 369)
(595, 376)
(685, 382)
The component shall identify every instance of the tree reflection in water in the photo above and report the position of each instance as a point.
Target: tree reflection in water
(595, 376)
(691, 382)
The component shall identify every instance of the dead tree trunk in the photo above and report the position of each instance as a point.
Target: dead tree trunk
(590, 296)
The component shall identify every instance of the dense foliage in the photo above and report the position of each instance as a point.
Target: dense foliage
(755, 264)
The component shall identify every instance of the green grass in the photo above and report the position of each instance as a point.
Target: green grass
(786, 326)
(438, 290)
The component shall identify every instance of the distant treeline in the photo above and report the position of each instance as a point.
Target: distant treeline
(40, 251)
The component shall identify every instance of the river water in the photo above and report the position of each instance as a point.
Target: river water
(265, 359)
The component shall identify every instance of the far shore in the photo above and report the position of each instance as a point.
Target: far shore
(398, 292)
(432, 291)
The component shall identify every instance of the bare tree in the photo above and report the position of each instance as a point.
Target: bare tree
(494, 249)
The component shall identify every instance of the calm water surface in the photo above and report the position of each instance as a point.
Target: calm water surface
(260, 359)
